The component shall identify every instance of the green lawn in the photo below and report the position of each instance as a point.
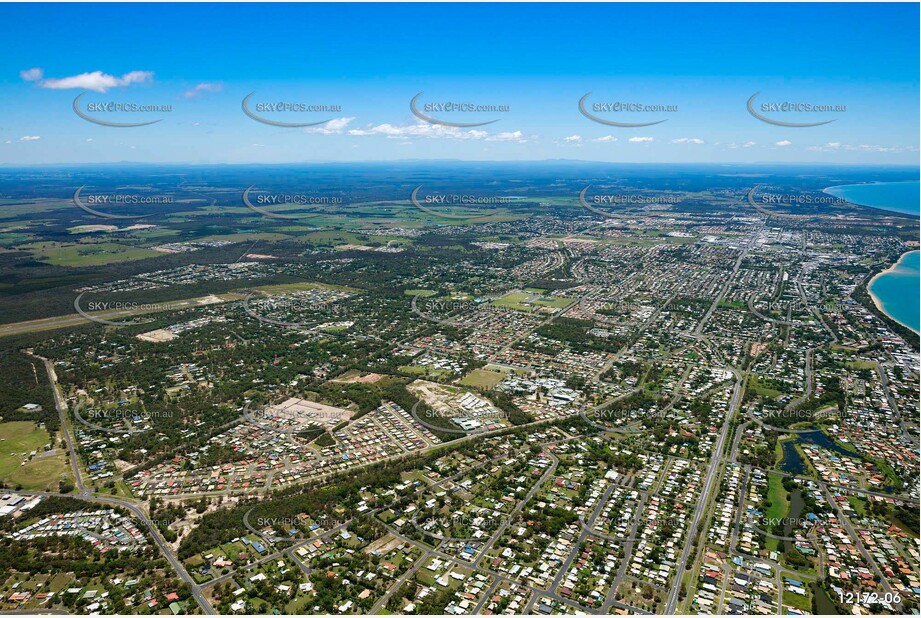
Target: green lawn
(756, 387)
(480, 378)
(42, 471)
(513, 300)
(777, 496)
(428, 372)
(794, 600)
(526, 302)
(556, 303)
(858, 504)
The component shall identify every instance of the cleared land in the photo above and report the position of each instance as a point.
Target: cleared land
(481, 378)
(18, 439)
(85, 254)
(75, 319)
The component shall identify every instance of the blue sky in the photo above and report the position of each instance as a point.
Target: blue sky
(538, 60)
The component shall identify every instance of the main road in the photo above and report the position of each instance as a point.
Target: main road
(704, 500)
(717, 456)
(85, 493)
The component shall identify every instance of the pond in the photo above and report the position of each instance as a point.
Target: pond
(792, 462)
(823, 604)
(796, 509)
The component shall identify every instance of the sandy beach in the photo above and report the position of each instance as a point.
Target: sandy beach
(876, 301)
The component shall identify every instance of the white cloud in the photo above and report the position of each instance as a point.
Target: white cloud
(89, 139)
(733, 145)
(30, 138)
(640, 140)
(838, 147)
(507, 136)
(827, 147)
(333, 127)
(573, 139)
(432, 131)
(31, 75)
(687, 140)
(605, 139)
(203, 88)
(873, 148)
(96, 81)
(783, 142)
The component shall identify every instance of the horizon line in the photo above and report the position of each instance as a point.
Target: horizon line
(486, 161)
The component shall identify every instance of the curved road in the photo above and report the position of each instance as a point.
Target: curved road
(87, 494)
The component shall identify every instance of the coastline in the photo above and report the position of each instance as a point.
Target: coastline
(889, 211)
(876, 301)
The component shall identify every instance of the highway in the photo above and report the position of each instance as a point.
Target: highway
(716, 458)
(86, 493)
(704, 499)
(61, 407)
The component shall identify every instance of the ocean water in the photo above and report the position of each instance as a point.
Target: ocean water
(904, 197)
(898, 291)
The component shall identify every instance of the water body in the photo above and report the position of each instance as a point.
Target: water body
(902, 197)
(824, 605)
(897, 291)
(796, 509)
(792, 461)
